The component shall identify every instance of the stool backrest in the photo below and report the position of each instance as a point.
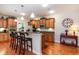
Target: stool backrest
(22, 35)
(12, 34)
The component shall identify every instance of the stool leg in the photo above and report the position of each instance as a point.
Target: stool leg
(11, 42)
(24, 48)
(20, 47)
(16, 45)
(31, 45)
(27, 45)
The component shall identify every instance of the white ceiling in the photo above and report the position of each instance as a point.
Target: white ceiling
(16, 9)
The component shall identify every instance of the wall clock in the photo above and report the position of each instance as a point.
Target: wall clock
(67, 22)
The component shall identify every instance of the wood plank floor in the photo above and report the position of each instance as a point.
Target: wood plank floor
(60, 49)
(6, 50)
(52, 49)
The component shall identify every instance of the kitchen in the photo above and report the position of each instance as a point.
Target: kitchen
(44, 26)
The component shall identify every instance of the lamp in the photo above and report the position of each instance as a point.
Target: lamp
(74, 28)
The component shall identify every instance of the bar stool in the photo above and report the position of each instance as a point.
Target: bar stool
(17, 36)
(29, 43)
(23, 42)
(12, 41)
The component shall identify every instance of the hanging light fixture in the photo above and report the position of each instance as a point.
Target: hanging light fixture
(32, 15)
(22, 13)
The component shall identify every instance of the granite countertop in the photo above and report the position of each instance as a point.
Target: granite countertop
(46, 30)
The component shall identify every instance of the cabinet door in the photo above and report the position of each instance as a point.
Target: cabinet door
(1, 22)
(14, 23)
(52, 23)
(11, 23)
(50, 37)
(4, 23)
(47, 24)
(37, 24)
(32, 22)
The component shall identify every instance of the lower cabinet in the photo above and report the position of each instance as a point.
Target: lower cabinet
(3, 37)
(47, 39)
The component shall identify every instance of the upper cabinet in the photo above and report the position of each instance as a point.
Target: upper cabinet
(1, 22)
(50, 23)
(35, 23)
(7, 23)
(44, 23)
(11, 23)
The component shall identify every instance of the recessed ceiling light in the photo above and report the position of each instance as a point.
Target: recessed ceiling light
(51, 11)
(32, 15)
(44, 5)
(23, 14)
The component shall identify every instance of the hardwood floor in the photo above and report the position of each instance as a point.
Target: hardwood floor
(52, 49)
(6, 50)
(59, 49)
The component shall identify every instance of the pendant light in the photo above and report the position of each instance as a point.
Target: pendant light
(22, 13)
(32, 15)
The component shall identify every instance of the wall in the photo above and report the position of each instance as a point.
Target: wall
(58, 23)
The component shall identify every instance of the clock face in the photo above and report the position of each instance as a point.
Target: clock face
(67, 22)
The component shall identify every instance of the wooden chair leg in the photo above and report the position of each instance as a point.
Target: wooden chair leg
(31, 45)
(20, 47)
(24, 48)
(16, 46)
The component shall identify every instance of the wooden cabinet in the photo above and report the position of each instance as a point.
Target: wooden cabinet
(1, 22)
(44, 23)
(5, 24)
(35, 23)
(47, 23)
(3, 37)
(50, 23)
(11, 23)
(47, 38)
(69, 37)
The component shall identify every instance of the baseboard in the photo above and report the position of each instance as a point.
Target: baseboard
(37, 52)
(57, 41)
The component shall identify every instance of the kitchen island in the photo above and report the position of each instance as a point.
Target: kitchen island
(36, 42)
(41, 39)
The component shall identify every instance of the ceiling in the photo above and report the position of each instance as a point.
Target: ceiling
(16, 9)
